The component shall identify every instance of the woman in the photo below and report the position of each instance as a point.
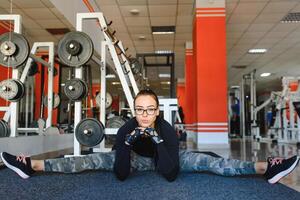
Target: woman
(148, 142)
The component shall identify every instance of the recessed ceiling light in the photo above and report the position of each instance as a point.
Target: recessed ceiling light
(257, 51)
(134, 11)
(235, 87)
(142, 37)
(165, 82)
(164, 75)
(115, 83)
(110, 76)
(163, 29)
(163, 51)
(265, 74)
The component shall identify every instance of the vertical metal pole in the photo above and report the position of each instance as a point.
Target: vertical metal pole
(78, 104)
(242, 108)
(27, 102)
(103, 88)
(173, 84)
(50, 83)
(32, 99)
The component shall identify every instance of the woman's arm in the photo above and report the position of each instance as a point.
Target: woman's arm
(122, 160)
(168, 153)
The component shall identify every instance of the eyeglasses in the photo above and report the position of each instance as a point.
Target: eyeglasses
(149, 111)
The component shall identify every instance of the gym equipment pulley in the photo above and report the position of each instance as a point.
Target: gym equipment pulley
(14, 49)
(89, 132)
(75, 49)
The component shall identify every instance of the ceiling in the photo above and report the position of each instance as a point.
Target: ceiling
(250, 24)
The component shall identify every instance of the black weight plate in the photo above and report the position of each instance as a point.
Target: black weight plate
(89, 132)
(12, 89)
(4, 129)
(21, 91)
(17, 52)
(76, 89)
(33, 69)
(75, 49)
(115, 122)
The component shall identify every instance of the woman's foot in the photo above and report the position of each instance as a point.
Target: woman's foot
(279, 168)
(20, 164)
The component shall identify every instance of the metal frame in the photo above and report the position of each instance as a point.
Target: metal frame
(170, 57)
(50, 66)
(14, 106)
(78, 73)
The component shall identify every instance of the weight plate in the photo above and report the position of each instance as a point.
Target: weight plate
(76, 89)
(4, 129)
(108, 100)
(75, 49)
(115, 122)
(89, 132)
(14, 49)
(56, 101)
(33, 69)
(12, 89)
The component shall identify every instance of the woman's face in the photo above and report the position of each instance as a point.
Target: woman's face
(146, 111)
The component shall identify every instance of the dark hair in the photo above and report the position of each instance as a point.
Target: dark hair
(146, 92)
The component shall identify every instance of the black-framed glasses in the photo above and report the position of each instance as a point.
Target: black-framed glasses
(149, 111)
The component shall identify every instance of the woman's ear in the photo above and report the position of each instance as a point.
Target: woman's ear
(157, 112)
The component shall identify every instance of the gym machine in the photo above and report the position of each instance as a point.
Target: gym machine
(75, 49)
(13, 89)
(286, 127)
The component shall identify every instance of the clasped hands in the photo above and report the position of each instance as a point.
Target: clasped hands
(131, 138)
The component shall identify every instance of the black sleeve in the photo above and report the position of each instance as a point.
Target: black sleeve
(168, 153)
(122, 156)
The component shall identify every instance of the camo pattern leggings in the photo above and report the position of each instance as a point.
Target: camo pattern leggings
(189, 162)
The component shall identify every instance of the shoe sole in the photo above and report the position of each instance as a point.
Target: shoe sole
(282, 174)
(15, 169)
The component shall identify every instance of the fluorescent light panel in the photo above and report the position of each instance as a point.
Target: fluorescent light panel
(163, 51)
(110, 76)
(165, 82)
(163, 29)
(164, 75)
(291, 18)
(257, 51)
(265, 74)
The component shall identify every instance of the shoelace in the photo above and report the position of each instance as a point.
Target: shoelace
(275, 161)
(21, 158)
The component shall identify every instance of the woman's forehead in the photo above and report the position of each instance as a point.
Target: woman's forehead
(145, 100)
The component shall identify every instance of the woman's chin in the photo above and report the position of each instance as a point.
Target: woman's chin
(145, 125)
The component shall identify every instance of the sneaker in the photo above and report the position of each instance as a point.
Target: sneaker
(20, 164)
(279, 168)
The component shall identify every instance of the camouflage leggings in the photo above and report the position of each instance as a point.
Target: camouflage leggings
(189, 162)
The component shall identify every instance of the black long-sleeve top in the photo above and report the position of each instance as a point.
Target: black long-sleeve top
(165, 154)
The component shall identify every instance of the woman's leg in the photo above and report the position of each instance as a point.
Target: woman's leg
(95, 161)
(198, 162)
(140, 163)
